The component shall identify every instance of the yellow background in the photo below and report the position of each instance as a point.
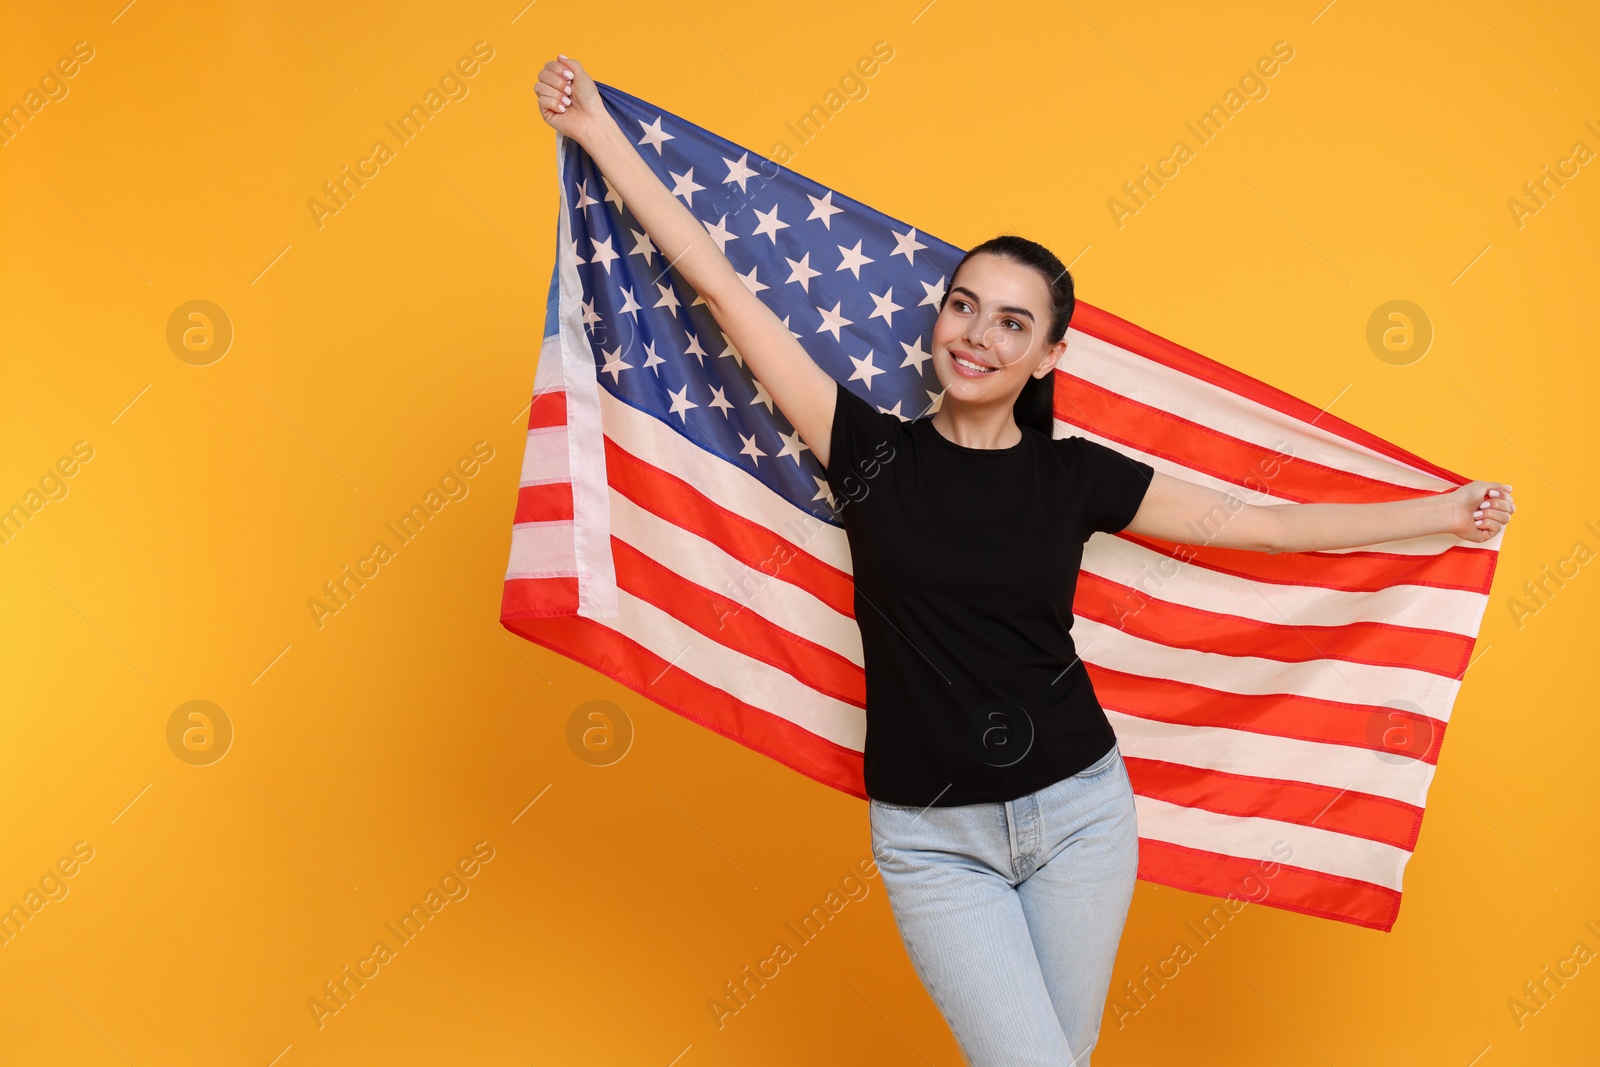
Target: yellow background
(369, 354)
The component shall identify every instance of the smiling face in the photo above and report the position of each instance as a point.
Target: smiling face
(996, 314)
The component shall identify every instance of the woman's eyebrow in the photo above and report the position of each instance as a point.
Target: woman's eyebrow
(1013, 310)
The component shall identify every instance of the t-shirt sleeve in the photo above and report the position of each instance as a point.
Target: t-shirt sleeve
(862, 437)
(1116, 485)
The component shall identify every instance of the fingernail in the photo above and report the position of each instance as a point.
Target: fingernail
(566, 99)
(1477, 514)
(1494, 492)
(560, 56)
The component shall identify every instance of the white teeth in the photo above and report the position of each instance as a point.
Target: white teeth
(974, 366)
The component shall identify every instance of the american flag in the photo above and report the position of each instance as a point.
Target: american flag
(1280, 715)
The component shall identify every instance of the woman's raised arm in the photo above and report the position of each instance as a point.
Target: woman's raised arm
(570, 103)
(1180, 511)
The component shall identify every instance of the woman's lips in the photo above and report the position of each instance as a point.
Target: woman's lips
(968, 372)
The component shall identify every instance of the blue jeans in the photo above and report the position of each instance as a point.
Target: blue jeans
(1011, 912)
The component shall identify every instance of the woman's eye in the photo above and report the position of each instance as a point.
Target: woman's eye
(1015, 323)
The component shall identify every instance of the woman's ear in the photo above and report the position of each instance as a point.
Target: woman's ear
(1053, 355)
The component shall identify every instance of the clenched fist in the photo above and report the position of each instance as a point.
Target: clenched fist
(568, 99)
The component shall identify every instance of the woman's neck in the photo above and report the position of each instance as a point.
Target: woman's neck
(974, 426)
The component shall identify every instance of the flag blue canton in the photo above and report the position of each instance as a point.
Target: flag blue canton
(858, 289)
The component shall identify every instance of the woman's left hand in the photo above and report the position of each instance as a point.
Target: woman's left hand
(1480, 510)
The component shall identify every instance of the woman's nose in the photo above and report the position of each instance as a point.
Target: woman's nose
(987, 336)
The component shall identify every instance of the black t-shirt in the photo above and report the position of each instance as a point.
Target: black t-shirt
(965, 563)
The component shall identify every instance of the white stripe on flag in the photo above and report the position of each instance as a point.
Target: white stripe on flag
(542, 550)
(544, 456)
(1145, 380)
(1279, 758)
(1354, 683)
(1160, 576)
(1251, 838)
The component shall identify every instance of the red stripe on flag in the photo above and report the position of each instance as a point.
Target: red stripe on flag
(548, 408)
(630, 663)
(1309, 892)
(1141, 342)
(1458, 567)
(680, 503)
(722, 620)
(1395, 734)
(1160, 433)
(1344, 811)
(1181, 626)
(549, 502)
(529, 597)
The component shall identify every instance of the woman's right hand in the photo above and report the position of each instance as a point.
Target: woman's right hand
(568, 99)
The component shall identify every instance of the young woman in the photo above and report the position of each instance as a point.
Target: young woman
(1000, 808)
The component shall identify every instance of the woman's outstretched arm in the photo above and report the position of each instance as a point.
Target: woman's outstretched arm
(1180, 511)
(805, 393)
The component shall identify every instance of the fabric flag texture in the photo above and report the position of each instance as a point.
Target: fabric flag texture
(1280, 715)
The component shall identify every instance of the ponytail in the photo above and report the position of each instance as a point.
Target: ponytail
(1035, 405)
